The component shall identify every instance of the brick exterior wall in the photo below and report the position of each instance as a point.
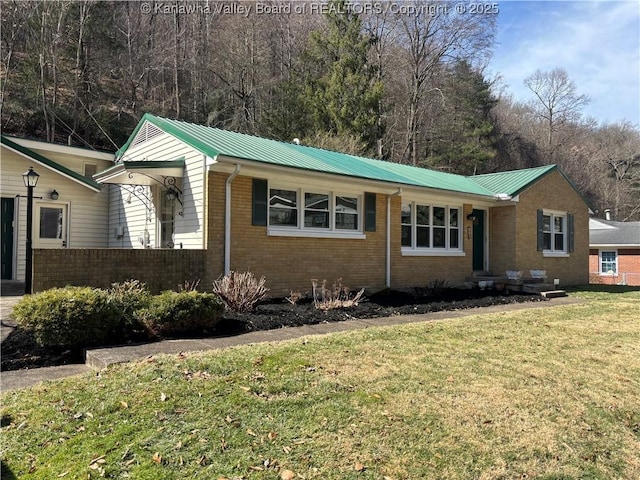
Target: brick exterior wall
(290, 263)
(99, 267)
(628, 268)
(552, 192)
(409, 271)
(502, 239)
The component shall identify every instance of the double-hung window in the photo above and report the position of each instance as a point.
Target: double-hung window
(554, 236)
(313, 212)
(608, 262)
(430, 229)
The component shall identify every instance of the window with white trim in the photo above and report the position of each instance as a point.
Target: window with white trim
(554, 238)
(283, 207)
(319, 211)
(430, 228)
(608, 262)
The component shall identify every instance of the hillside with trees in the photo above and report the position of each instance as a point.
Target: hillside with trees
(408, 88)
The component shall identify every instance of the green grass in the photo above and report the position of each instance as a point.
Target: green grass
(539, 393)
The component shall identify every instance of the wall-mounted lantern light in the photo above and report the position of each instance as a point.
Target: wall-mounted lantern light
(54, 195)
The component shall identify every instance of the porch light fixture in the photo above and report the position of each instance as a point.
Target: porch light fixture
(472, 217)
(54, 195)
(30, 178)
(171, 194)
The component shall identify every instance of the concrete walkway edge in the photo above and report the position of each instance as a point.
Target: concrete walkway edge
(98, 359)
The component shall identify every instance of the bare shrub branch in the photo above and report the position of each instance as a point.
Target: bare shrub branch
(338, 296)
(240, 291)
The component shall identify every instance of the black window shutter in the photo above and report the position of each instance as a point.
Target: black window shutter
(369, 212)
(259, 201)
(540, 230)
(570, 231)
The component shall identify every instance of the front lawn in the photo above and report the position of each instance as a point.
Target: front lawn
(542, 393)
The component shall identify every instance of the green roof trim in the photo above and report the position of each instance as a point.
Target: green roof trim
(146, 164)
(512, 182)
(51, 164)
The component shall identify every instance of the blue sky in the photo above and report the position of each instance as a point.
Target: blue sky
(596, 42)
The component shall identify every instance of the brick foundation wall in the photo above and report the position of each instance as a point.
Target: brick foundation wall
(159, 269)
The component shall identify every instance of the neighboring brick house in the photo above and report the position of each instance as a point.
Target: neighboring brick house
(614, 255)
(294, 213)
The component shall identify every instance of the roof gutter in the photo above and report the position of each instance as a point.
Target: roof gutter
(388, 243)
(227, 219)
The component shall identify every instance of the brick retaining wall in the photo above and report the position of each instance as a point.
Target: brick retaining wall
(99, 267)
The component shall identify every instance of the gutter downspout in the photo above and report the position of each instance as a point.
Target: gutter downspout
(388, 246)
(227, 220)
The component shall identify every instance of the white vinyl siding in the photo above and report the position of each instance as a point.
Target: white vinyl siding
(86, 209)
(189, 227)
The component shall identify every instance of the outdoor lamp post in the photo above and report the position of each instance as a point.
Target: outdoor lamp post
(30, 178)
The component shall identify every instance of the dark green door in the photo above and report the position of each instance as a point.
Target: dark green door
(7, 238)
(478, 240)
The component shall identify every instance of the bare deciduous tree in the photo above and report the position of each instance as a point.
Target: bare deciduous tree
(557, 100)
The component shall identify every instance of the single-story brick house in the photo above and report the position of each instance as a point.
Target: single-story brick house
(69, 207)
(294, 213)
(614, 255)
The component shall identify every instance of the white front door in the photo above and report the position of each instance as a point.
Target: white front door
(50, 225)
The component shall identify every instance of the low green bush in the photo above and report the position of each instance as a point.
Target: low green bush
(128, 297)
(173, 313)
(68, 317)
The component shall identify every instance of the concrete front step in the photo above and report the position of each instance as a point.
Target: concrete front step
(553, 293)
(537, 287)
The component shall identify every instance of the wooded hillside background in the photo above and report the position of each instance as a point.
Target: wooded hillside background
(405, 87)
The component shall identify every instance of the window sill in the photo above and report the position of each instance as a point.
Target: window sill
(548, 253)
(423, 252)
(295, 232)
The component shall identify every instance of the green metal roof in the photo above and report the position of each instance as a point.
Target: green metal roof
(213, 142)
(51, 164)
(512, 182)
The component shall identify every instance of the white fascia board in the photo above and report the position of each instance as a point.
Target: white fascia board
(65, 149)
(295, 176)
(615, 245)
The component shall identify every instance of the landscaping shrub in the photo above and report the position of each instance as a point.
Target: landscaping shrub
(240, 291)
(68, 317)
(172, 313)
(338, 296)
(128, 297)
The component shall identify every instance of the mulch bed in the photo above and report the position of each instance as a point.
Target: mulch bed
(20, 351)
